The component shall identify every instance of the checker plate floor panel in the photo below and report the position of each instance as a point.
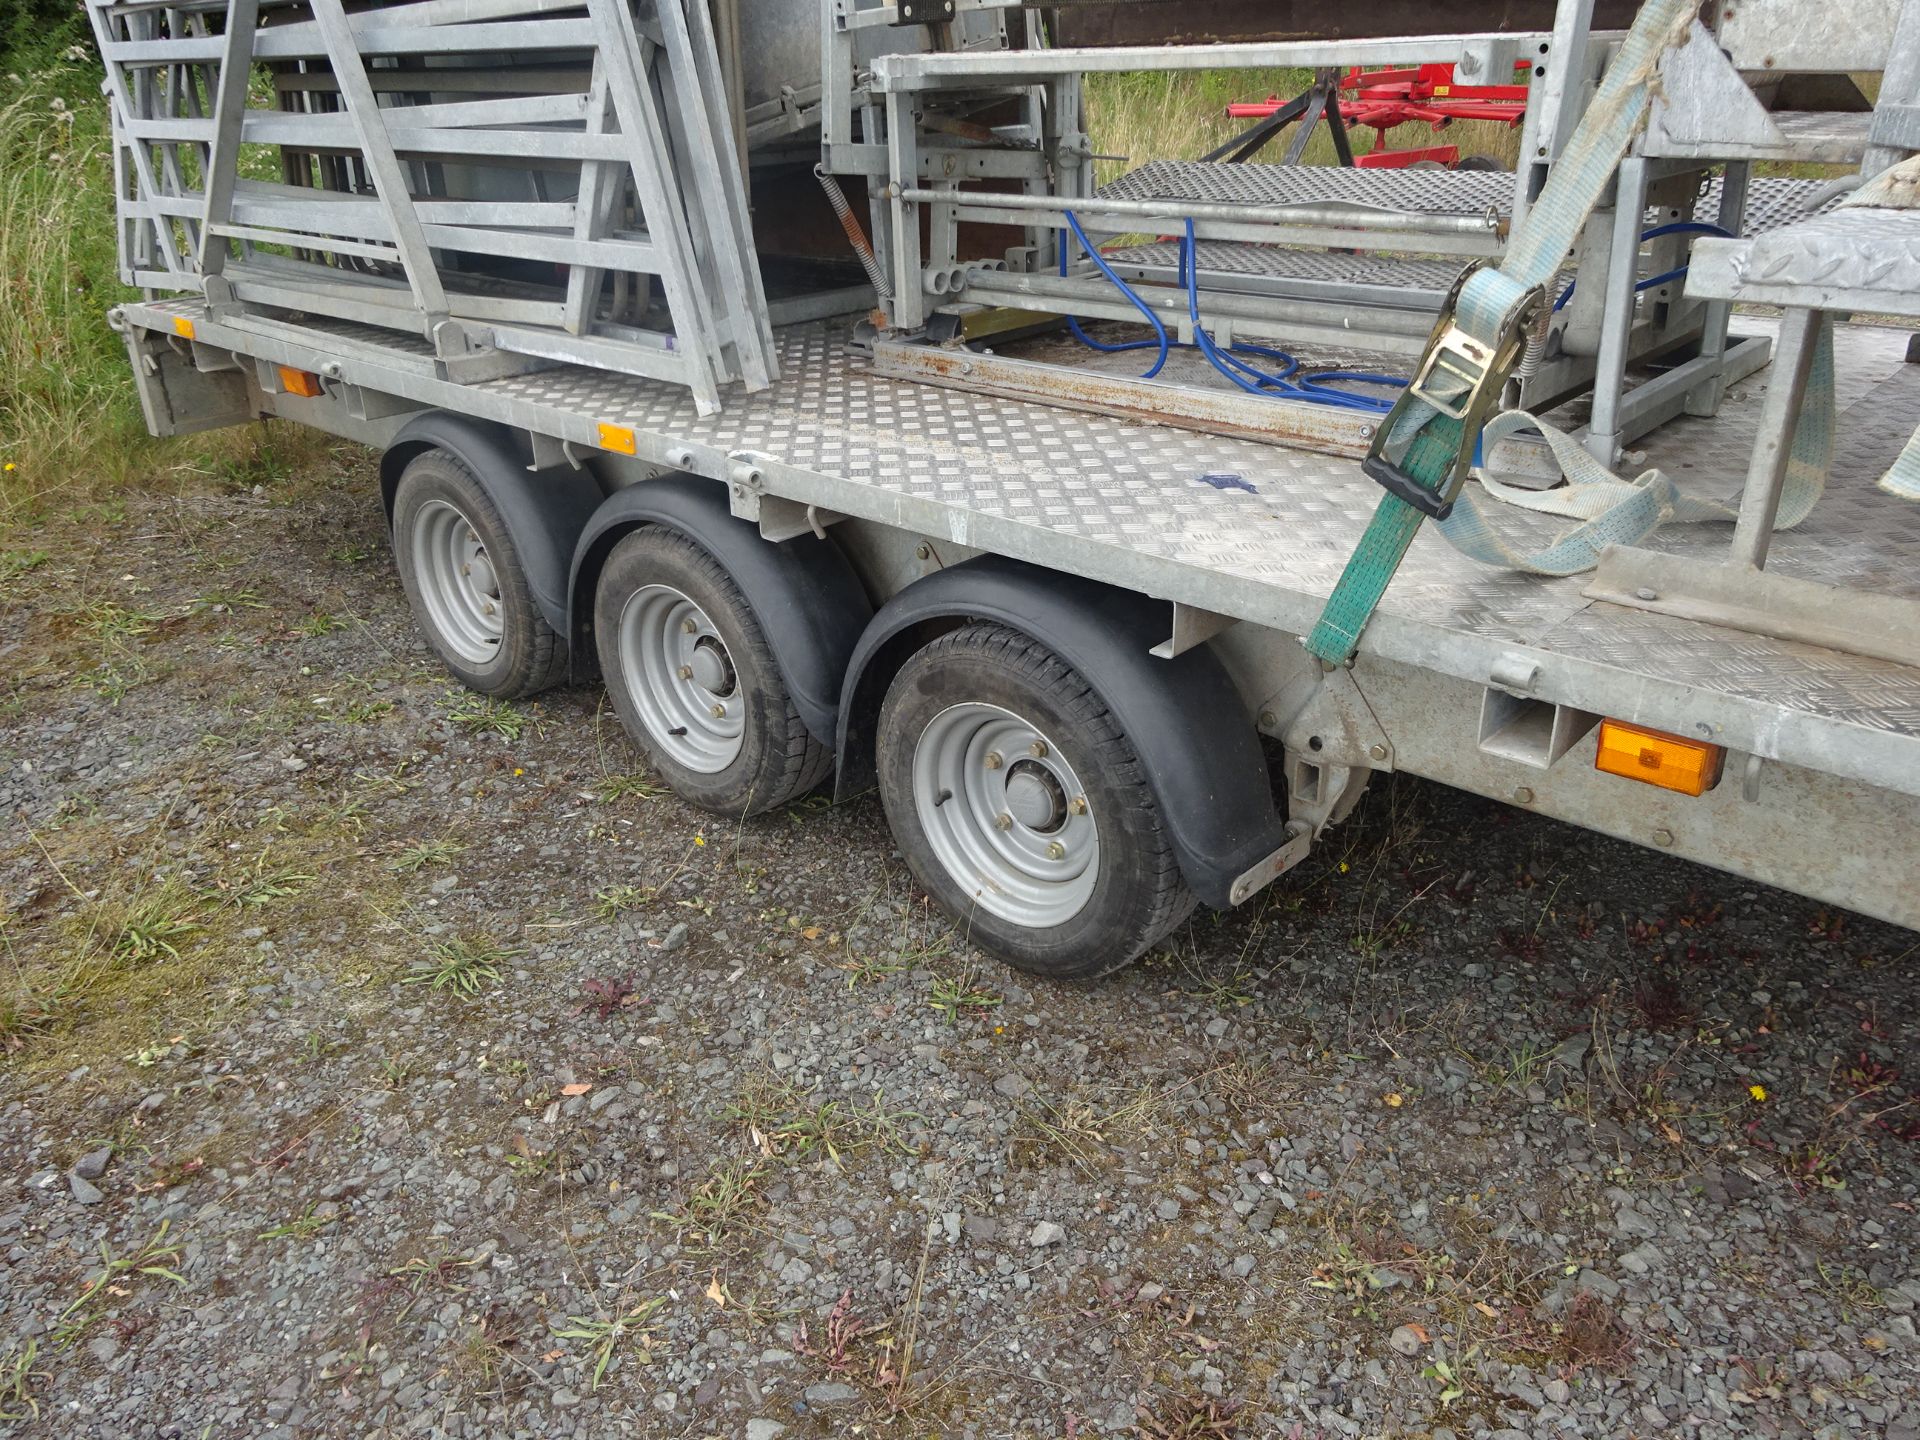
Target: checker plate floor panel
(1142, 504)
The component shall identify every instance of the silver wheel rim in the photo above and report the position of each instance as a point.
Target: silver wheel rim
(1005, 815)
(681, 677)
(459, 586)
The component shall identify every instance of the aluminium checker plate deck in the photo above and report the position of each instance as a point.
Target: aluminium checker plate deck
(1772, 201)
(1260, 532)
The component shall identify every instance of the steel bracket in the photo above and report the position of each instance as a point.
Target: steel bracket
(782, 519)
(1333, 742)
(1191, 626)
(746, 484)
(1257, 877)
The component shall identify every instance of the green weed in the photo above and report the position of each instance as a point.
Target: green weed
(16, 1383)
(303, 1226)
(154, 1259)
(482, 715)
(955, 995)
(628, 787)
(256, 886)
(317, 624)
(426, 854)
(154, 924)
(610, 1335)
(467, 965)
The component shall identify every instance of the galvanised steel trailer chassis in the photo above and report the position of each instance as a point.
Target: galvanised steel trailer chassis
(1054, 630)
(1050, 518)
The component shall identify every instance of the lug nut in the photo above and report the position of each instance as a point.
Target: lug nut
(719, 712)
(1038, 749)
(1077, 805)
(1003, 821)
(994, 762)
(1056, 851)
(689, 626)
(686, 672)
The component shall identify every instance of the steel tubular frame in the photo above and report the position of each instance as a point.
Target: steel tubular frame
(593, 213)
(890, 126)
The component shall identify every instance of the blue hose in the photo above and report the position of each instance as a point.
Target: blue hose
(1257, 382)
(1678, 227)
(1159, 330)
(1230, 361)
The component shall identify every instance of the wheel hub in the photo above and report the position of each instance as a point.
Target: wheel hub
(480, 573)
(711, 669)
(681, 679)
(1020, 837)
(1035, 797)
(459, 588)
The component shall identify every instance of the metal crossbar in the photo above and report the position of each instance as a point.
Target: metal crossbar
(490, 175)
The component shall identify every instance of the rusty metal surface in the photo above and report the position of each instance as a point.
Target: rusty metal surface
(1202, 406)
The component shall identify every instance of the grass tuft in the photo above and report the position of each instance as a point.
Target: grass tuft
(153, 1259)
(466, 964)
(16, 1383)
(610, 1335)
(153, 925)
(482, 715)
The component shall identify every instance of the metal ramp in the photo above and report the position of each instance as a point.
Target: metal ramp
(513, 182)
(1771, 202)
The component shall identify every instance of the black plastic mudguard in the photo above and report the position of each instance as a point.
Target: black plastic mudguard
(545, 510)
(1184, 718)
(806, 597)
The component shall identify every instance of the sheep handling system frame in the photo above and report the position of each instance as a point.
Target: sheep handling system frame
(789, 285)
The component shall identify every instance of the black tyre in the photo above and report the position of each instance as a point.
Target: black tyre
(694, 681)
(463, 579)
(1478, 162)
(1023, 809)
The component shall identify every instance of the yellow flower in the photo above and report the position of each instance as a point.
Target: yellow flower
(1758, 1092)
(699, 839)
(9, 467)
(1344, 867)
(518, 771)
(1394, 1098)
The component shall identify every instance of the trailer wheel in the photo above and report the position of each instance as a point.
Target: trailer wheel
(694, 680)
(1022, 808)
(463, 578)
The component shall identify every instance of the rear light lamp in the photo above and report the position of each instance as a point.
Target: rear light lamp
(1690, 767)
(299, 382)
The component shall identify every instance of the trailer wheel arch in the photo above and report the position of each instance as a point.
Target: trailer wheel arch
(544, 511)
(803, 592)
(1186, 720)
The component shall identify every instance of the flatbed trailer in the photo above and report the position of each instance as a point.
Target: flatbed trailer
(1085, 625)
(1467, 676)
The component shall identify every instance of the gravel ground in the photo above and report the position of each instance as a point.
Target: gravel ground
(382, 1062)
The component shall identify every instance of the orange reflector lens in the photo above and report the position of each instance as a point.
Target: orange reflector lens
(617, 438)
(299, 382)
(183, 327)
(1688, 766)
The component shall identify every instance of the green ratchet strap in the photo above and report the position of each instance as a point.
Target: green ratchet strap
(1424, 448)
(1903, 478)
(1613, 511)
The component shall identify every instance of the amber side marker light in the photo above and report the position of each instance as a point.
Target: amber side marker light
(183, 327)
(299, 382)
(617, 438)
(1691, 767)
